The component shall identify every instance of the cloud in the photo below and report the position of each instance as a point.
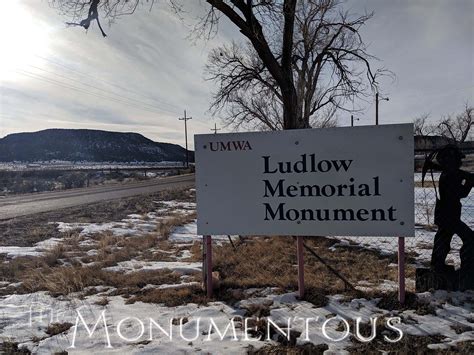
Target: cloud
(143, 75)
(147, 71)
(428, 45)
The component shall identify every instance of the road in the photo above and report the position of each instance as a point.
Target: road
(22, 205)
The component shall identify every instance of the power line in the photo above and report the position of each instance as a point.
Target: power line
(105, 81)
(97, 88)
(75, 88)
(68, 86)
(95, 78)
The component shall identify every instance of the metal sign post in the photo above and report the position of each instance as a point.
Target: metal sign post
(401, 270)
(207, 264)
(300, 253)
(204, 264)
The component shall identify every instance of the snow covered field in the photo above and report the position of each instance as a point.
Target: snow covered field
(135, 328)
(45, 324)
(68, 165)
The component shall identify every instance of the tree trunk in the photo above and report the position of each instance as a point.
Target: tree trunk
(292, 118)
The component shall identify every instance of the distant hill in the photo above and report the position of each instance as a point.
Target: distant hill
(87, 145)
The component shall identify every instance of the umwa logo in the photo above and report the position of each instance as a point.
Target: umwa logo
(230, 146)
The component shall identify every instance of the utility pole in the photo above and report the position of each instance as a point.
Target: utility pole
(185, 119)
(352, 120)
(215, 129)
(401, 240)
(377, 99)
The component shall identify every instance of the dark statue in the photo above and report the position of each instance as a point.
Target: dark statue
(454, 185)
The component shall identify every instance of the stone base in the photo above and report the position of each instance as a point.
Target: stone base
(450, 280)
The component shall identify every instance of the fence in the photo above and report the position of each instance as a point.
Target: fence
(418, 249)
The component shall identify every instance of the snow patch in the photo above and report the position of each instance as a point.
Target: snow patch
(137, 265)
(37, 250)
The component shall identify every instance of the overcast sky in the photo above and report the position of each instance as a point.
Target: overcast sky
(147, 72)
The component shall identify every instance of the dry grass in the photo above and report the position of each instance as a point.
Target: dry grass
(409, 344)
(165, 228)
(57, 328)
(12, 270)
(65, 280)
(171, 297)
(389, 301)
(196, 252)
(8, 347)
(104, 240)
(258, 310)
(26, 231)
(177, 194)
(104, 301)
(52, 256)
(261, 262)
(50, 274)
(265, 262)
(306, 349)
(113, 249)
(132, 283)
(61, 280)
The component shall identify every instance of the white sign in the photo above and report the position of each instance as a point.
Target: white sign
(351, 181)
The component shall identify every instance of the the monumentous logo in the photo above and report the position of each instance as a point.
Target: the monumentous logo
(235, 329)
(229, 146)
(102, 329)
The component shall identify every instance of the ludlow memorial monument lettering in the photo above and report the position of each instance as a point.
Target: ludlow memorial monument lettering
(309, 164)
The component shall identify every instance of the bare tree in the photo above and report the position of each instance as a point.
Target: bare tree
(306, 51)
(421, 127)
(84, 12)
(456, 127)
(326, 57)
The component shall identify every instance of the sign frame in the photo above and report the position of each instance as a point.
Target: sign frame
(396, 141)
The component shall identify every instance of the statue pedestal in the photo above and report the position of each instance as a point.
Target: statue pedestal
(450, 280)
